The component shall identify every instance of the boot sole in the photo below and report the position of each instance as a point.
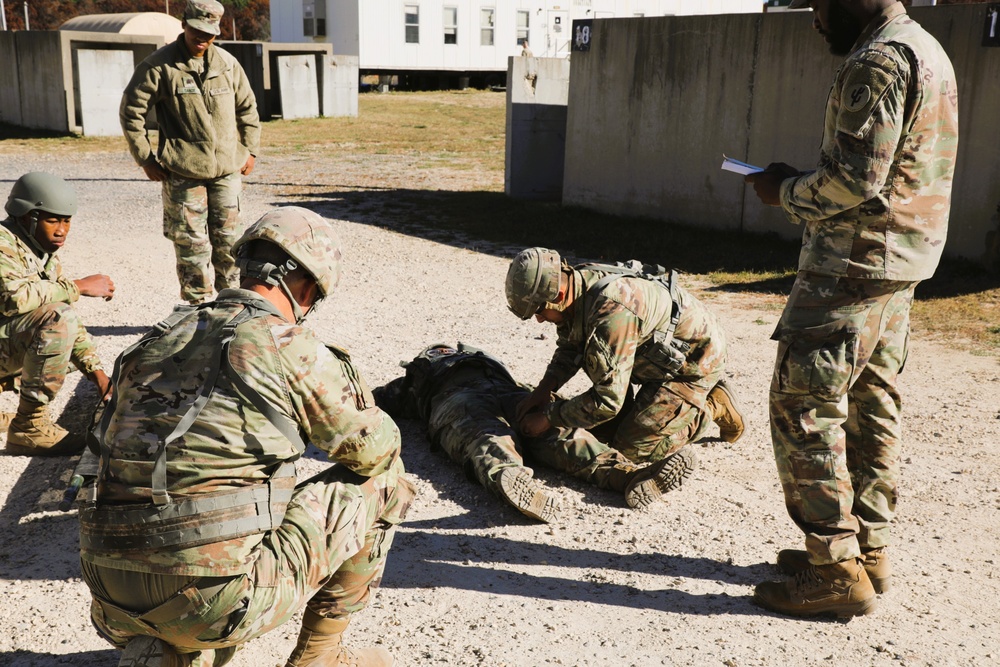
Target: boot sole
(665, 476)
(736, 431)
(528, 496)
(862, 608)
(144, 652)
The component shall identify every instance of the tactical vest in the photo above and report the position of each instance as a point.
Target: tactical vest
(206, 518)
(426, 374)
(662, 350)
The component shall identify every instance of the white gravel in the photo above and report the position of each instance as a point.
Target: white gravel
(471, 582)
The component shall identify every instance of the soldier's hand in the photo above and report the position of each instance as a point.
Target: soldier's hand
(96, 285)
(155, 172)
(248, 167)
(534, 424)
(536, 400)
(767, 183)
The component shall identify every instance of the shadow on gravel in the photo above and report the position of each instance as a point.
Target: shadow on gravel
(128, 330)
(40, 542)
(89, 658)
(491, 222)
(465, 562)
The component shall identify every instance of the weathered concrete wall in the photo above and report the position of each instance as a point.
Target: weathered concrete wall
(339, 79)
(260, 61)
(537, 94)
(656, 101)
(40, 67)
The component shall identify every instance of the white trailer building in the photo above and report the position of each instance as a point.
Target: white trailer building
(474, 37)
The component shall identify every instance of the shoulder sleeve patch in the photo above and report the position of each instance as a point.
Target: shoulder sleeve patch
(864, 86)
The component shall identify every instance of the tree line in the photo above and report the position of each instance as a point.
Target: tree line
(244, 19)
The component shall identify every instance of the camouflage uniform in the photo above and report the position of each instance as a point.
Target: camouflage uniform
(610, 334)
(208, 128)
(468, 401)
(875, 215)
(328, 546)
(40, 332)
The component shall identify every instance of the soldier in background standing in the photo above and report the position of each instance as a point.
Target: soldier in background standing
(40, 332)
(200, 539)
(209, 135)
(468, 400)
(875, 217)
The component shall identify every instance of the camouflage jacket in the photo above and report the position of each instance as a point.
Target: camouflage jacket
(232, 444)
(208, 127)
(28, 281)
(877, 206)
(606, 334)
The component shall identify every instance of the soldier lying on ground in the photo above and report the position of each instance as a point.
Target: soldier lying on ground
(40, 332)
(200, 539)
(624, 325)
(468, 399)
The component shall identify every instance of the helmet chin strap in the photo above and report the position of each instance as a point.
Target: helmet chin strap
(34, 217)
(275, 275)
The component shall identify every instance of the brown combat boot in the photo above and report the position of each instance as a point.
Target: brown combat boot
(319, 645)
(32, 433)
(651, 484)
(875, 562)
(517, 486)
(144, 651)
(5, 419)
(721, 402)
(839, 589)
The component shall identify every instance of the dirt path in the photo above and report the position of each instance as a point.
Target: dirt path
(469, 581)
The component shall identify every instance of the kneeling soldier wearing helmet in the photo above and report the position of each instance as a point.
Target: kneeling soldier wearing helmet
(40, 332)
(623, 325)
(200, 537)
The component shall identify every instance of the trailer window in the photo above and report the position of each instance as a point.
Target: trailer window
(412, 23)
(523, 17)
(314, 18)
(486, 26)
(451, 25)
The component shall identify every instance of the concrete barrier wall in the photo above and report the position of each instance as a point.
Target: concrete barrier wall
(339, 80)
(656, 101)
(40, 78)
(537, 94)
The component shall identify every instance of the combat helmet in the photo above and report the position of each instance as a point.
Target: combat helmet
(532, 281)
(39, 191)
(307, 238)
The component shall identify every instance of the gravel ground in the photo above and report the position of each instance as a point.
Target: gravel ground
(470, 581)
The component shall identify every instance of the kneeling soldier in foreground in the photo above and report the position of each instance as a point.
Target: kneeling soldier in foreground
(468, 400)
(200, 539)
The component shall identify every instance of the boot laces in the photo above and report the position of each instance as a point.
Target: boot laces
(807, 580)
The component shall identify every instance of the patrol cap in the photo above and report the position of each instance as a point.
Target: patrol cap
(532, 281)
(798, 4)
(39, 191)
(307, 237)
(204, 15)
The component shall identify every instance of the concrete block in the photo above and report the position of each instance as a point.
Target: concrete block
(339, 83)
(103, 75)
(537, 95)
(299, 86)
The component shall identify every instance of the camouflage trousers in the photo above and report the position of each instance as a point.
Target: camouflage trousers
(659, 419)
(40, 345)
(328, 554)
(202, 219)
(835, 409)
(475, 426)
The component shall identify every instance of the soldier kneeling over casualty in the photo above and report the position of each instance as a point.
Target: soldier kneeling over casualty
(468, 401)
(40, 332)
(200, 539)
(624, 324)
